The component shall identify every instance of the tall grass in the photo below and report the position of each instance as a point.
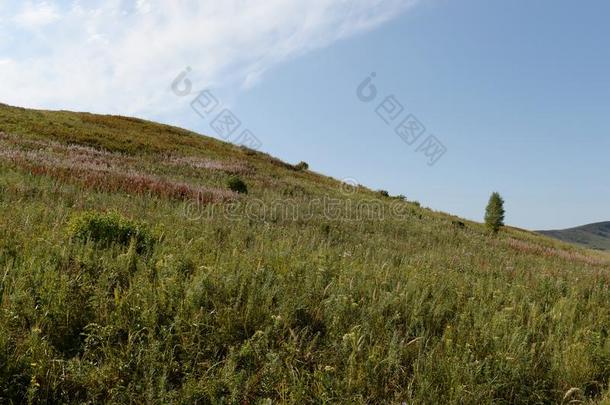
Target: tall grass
(258, 308)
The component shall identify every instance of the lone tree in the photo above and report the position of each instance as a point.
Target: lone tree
(494, 214)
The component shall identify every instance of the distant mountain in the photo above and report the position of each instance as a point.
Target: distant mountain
(593, 236)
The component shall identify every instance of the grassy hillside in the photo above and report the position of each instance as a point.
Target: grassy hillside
(593, 236)
(130, 272)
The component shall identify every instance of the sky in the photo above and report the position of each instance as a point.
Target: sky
(508, 96)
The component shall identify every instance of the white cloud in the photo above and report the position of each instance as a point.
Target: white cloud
(120, 56)
(143, 6)
(36, 15)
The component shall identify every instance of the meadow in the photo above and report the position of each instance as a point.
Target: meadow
(130, 272)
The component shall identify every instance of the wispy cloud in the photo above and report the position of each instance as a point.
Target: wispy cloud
(36, 15)
(119, 56)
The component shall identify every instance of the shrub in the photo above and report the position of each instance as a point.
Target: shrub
(110, 228)
(236, 184)
(383, 193)
(301, 166)
(458, 224)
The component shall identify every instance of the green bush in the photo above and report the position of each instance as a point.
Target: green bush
(236, 184)
(301, 166)
(110, 228)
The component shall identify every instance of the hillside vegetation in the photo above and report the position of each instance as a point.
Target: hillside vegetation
(130, 272)
(593, 236)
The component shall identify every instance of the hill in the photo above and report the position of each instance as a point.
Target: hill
(593, 236)
(134, 268)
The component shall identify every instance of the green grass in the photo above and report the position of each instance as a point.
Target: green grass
(264, 297)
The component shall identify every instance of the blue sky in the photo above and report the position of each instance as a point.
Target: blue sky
(517, 91)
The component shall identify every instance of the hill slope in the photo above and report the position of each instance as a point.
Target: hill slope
(131, 272)
(593, 236)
